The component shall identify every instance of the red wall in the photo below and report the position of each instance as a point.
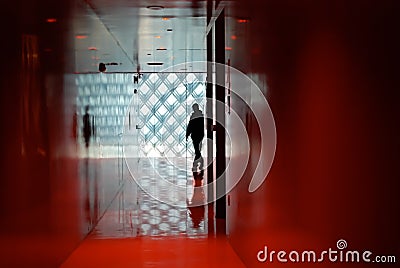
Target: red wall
(329, 72)
(49, 197)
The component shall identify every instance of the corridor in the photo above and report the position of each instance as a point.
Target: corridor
(200, 133)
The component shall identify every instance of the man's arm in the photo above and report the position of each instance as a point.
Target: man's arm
(189, 129)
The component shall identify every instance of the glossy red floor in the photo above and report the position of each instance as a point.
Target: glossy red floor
(152, 252)
(140, 231)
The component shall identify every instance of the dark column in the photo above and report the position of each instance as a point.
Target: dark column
(220, 114)
(209, 115)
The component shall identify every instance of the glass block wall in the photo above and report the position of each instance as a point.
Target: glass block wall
(163, 106)
(165, 101)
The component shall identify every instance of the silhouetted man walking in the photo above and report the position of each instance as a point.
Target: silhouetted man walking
(195, 129)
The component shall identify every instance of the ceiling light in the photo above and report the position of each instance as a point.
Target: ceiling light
(155, 7)
(155, 63)
(165, 18)
(157, 36)
(81, 36)
(92, 48)
(51, 20)
(242, 20)
(161, 48)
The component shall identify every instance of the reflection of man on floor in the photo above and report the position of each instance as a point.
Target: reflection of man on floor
(196, 205)
(195, 130)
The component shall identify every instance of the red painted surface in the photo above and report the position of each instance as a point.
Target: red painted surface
(328, 70)
(49, 197)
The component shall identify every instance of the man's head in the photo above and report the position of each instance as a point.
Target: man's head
(87, 108)
(195, 107)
